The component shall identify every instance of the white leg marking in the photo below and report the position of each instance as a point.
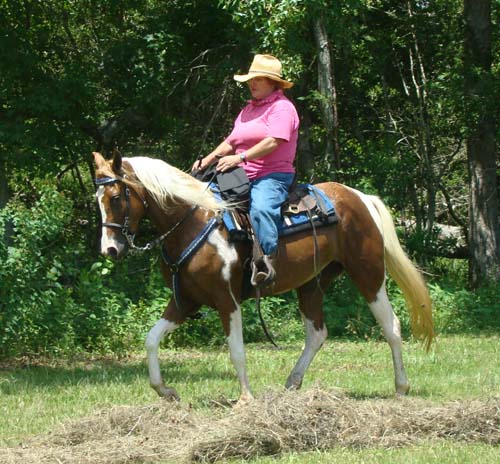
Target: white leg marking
(228, 254)
(314, 340)
(153, 340)
(108, 239)
(226, 251)
(383, 312)
(237, 353)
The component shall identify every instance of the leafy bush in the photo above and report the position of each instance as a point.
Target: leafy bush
(54, 296)
(57, 296)
(32, 269)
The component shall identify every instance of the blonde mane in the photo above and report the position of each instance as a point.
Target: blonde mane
(168, 185)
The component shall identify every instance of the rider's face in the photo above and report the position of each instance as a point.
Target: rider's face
(261, 87)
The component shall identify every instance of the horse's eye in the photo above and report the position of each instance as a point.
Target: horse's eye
(115, 199)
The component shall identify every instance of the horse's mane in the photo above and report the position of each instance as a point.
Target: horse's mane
(167, 184)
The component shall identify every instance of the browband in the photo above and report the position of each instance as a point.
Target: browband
(106, 180)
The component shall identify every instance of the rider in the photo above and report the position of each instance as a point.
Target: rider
(264, 142)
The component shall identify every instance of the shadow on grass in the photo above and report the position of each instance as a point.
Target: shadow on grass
(102, 372)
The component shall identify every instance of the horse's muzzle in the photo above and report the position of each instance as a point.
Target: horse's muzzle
(112, 252)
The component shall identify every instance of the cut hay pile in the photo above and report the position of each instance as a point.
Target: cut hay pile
(275, 423)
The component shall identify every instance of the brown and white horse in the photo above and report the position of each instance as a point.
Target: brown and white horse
(363, 244)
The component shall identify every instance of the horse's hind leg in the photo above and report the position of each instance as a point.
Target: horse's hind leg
(383, 312)
(310, 298)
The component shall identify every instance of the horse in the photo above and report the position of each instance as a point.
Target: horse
(209, 269)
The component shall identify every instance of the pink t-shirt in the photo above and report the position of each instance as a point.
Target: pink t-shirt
(274, 116)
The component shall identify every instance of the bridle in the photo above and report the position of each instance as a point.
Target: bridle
(125, 227)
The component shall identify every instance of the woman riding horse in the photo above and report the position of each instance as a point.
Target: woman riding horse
(205, 268)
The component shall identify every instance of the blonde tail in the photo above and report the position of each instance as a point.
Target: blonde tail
(408, 278)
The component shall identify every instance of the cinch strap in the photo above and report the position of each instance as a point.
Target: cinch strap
(193, 247)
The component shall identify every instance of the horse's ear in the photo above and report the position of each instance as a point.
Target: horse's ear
(117, 161)
(98, 159)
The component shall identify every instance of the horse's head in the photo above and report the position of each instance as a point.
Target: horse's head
(121, 202)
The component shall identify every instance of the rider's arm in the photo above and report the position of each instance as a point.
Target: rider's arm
(263, 148)
(224, 149)
(259, 150)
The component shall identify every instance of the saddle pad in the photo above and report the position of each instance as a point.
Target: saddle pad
(292, 223)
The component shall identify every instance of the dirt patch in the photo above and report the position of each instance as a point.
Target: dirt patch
(275, 423)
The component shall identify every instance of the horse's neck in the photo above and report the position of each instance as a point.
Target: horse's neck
(183, 222)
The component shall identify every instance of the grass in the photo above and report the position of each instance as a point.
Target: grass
(36, 397)
(442, 453)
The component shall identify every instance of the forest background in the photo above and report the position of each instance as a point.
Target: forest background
(396, 98)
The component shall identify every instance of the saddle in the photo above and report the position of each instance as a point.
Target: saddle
(306, 208)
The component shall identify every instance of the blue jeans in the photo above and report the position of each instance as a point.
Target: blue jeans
(267, 195)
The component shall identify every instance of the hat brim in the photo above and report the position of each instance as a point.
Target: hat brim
(247, 77)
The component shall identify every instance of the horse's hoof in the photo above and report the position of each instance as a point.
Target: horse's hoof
(168, 393)
(243, 401)
(294, 382)
(402, 391)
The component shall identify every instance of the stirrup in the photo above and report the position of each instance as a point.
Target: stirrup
(263, 273)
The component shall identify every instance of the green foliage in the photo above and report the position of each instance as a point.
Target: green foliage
(31, 275)
(155, 78)
(346, 312)
(280, 314)
(459, 310)
(54, 297)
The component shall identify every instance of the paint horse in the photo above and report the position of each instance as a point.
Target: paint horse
(363, 244)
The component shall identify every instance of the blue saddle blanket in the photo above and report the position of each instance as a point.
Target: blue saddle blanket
(321, 215)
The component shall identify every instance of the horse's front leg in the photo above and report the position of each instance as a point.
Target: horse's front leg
(170, 320)
(232, 323)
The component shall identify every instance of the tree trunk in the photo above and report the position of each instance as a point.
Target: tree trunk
(4, 198)
(425, 148)
(484, 236)
(305, 159)
(328, 92)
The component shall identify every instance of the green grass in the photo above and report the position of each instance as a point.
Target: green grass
(442, 453)
(34, 398)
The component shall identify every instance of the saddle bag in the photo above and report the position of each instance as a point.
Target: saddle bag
(232, 185)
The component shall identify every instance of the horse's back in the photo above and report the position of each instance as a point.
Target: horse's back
(354, 209)
(360, 237)
(353, 244)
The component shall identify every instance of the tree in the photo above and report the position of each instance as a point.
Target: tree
(484, 235)
(4, 197)
(328, 92)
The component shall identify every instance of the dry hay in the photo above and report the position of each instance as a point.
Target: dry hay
(275, 423)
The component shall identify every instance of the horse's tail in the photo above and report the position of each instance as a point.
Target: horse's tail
(407, 276)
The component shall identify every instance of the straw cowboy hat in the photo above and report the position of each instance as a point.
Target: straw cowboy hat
(265, 66)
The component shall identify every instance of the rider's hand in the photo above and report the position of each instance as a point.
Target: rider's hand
(199, 165)
(228, 162)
